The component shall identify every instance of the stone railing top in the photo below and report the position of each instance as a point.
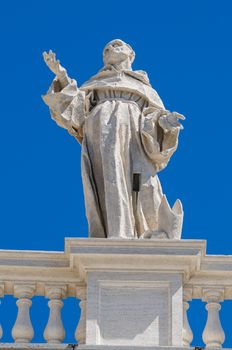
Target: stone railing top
(38, 268)
(135, 255)
(134, 246)
(33, 258)
(69, 268)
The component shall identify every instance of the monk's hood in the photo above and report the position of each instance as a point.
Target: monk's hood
(131, 81)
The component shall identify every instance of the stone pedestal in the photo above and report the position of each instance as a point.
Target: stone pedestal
(134, 288)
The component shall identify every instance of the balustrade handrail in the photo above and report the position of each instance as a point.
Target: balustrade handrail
(42, 268)
(39, 268)
(57, 275)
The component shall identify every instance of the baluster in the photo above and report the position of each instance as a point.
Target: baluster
(23, 332)
(213, 334)
(54, 331)
(1, 296)
(80, 333)
(187, 332)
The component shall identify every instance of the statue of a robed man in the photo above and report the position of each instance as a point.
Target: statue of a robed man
(127, 137)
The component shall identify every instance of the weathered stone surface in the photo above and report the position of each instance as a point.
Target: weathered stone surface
(127, 137)
(125, 279)
(38, 346)
(134, 289)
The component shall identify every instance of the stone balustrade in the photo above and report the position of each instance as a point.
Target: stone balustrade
(213, 334)
(57, 276)
(26, 275)
(211, 284)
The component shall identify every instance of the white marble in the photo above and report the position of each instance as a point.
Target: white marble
(80, 333)
(187, 333)
(38, 346)
(134, 309)
(120, 272)
(23, 331)
(54, 331)
(213, 334)
(134, 289)
(115, 347)
(127, 136)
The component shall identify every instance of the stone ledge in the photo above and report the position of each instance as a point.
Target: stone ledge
(33, 258)
(171, 256)
(134, 246)
(68, 268)
(35, 346)
(45, 346)
(111, 347)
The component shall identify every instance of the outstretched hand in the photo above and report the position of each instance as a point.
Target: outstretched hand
(53, 64)
(170, 121)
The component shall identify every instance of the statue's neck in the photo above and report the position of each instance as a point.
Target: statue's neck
(124, 65)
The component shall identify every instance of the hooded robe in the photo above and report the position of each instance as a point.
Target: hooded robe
(114, 116)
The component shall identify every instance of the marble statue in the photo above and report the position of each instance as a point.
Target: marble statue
(127, 136)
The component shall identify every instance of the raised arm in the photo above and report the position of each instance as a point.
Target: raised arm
(65, 101)
(55, 66)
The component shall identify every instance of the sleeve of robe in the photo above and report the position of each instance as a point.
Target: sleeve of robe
(158, 145)
(67, 107)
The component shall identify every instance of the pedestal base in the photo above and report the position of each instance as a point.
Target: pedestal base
(134, 308)
(134, 289)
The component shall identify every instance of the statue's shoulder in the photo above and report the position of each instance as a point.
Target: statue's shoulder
(111, 74)
(143, 74)
(136, 81)
(139, 75)
(148, 91)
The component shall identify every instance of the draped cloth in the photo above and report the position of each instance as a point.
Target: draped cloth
(115, 118)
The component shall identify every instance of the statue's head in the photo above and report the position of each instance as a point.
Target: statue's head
(117, 51)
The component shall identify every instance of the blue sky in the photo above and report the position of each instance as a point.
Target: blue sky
(186, 48)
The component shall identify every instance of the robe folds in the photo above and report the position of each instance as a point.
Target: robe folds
(115, 118)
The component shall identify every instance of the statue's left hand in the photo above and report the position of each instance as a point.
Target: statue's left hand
(170, 121)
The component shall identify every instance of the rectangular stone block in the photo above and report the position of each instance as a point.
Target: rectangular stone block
(134, 289)
(134, 309)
